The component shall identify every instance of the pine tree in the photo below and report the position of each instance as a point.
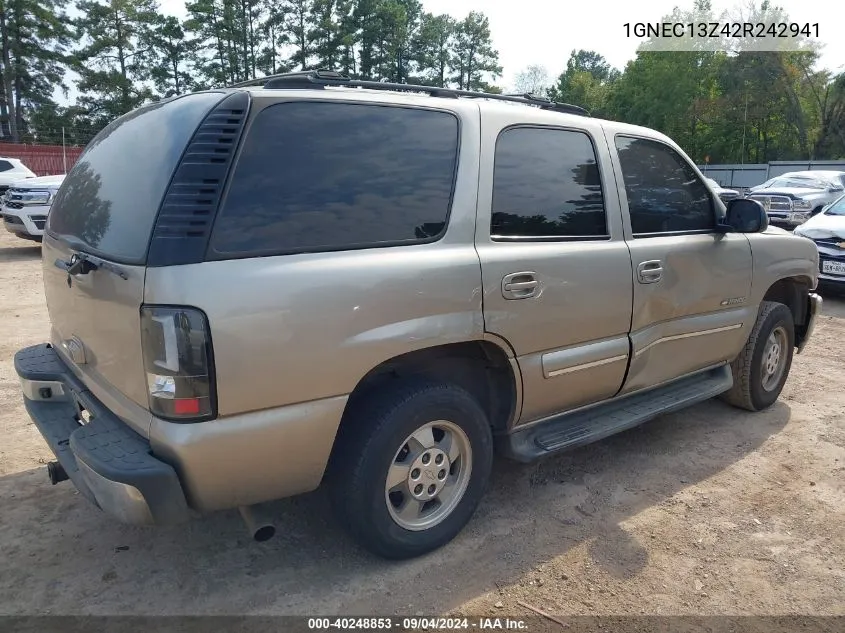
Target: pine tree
(171, 73)
(117, 56)
(474, 55)
(275, 37)
(34, 35)
(432, 49)
(325, 35)
(298, 20)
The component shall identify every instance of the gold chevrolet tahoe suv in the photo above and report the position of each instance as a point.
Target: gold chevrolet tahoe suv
(311, 280)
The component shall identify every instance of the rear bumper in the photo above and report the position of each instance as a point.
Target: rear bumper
(109, 464)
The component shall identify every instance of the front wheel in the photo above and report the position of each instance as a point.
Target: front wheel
(410, 467)
(761, 369)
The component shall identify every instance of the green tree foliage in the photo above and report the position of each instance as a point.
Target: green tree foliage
(34, 35)
(474, 56)
(117, 55)
(432, 50)
(587, 81)
(737, 105)
(171, 72)
(274, 37)
(731, 104)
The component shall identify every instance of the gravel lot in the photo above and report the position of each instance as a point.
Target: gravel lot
(707, 511)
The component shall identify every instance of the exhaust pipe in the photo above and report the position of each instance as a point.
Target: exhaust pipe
(260, 528)
(56, 473)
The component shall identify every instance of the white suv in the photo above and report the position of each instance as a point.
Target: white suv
(26, 204)
(12, 170)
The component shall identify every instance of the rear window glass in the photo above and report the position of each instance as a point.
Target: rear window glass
(330, 176)
(108, 203)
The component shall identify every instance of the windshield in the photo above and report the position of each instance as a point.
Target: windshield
(798, 183)
(837, 208)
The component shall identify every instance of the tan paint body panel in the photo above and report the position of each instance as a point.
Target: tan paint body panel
(584, 294)
(680, 324)
(293, 335)
(245, 459)
(102, 311)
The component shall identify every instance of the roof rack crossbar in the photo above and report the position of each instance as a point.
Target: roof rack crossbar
(323, 78)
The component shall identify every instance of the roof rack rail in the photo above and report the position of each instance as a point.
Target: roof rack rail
(321, 78)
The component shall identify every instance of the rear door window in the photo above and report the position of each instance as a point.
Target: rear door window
(108, 203)
(546, 184)
(322, 176)
(5, 165)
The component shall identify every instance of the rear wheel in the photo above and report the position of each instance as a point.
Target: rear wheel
(761, 369)
(410, 467)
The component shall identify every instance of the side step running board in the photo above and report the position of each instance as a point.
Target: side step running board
(583, 427)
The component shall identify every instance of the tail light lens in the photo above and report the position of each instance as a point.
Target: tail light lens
(179, 363)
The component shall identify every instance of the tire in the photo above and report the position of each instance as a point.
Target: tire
(375, 439)
(755, 388)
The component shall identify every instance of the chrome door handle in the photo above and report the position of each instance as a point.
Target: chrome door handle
(649, 272)
(520, 285)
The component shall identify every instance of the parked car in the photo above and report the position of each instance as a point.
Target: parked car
(371, 286)
(12, 170)
(827, 230)
(793, 198)
(725, 195)
(26, 204)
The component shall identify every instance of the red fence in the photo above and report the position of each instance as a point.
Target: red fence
(44, 160)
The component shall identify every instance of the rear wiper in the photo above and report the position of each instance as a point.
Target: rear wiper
(82, 264)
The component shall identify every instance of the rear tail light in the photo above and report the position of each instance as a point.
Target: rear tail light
(179, 363)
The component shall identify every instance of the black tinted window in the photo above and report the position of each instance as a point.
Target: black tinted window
(664, 193)
(546, 184)
(328, 176)
(109, 200)
(5, 165)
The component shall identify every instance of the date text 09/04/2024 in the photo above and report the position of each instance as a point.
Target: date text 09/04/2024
(417, 624)
(760, 30)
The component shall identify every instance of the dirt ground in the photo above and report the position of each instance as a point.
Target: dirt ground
(707, 511)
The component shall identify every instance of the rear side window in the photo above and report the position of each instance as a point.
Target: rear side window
(319, 176)
(546, 184)
(664, 193)
(108, 203)
(5, 165)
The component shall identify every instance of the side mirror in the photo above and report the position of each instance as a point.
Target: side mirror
(745, 215)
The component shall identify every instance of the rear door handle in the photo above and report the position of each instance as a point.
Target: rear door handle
(520, 285)
(650, 272)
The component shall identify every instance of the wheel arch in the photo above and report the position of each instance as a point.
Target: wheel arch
(794, 293)
(486, 368)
